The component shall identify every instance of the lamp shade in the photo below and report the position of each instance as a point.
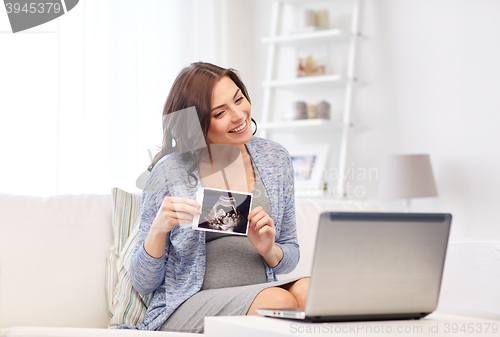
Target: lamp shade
(406, 177)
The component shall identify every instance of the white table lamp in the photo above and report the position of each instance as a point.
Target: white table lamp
(406, 177)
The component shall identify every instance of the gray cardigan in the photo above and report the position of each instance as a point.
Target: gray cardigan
(178, 275)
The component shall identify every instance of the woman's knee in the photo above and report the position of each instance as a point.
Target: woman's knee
(299, 290)
(273, 298)
(282, 298)
(278, 298)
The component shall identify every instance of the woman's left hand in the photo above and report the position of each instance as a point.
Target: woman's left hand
(261, 233)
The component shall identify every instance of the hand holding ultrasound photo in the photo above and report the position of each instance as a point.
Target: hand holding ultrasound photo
(223, 211)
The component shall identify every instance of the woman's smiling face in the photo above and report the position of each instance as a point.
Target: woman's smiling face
(230, 116)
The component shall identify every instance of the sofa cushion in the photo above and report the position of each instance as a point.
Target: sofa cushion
(125, 304)
(52, 260)
(471, 278)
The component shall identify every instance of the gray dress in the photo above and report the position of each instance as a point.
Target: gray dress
(234, 276)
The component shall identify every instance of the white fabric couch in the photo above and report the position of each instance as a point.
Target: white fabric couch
(53, 265)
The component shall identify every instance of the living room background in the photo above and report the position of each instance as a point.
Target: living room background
(430, 67)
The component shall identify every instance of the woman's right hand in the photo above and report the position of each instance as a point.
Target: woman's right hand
(174, 211)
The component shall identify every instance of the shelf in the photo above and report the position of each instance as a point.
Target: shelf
(302, 124)
(324, 79)
(317, 37)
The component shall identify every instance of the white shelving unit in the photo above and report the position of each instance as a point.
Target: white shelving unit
(317, 124)
(333, 82)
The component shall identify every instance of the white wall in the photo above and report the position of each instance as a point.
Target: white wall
(28, 99)
(81, 97)
(430, 76)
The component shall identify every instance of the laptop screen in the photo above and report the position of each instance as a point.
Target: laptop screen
(377, 263)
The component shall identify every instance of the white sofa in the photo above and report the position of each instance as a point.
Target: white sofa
(53, 265)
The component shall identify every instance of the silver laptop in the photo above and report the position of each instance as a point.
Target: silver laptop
(374, 266)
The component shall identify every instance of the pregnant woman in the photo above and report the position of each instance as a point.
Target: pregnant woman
(194, 273)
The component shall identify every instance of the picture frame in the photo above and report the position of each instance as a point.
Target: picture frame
(309, 165)
(223, 211)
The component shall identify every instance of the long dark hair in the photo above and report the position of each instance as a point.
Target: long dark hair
(192, 88)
